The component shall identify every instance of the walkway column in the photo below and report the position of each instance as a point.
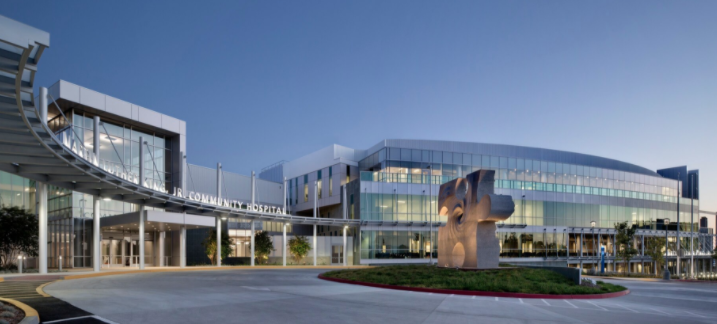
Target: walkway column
(251, 257)
(582, 237)
(219, 220)
(316, 203)
(346, 227)
(42, 226)
(284, 241)
(42, 197)
(160, 245)
(96, 247)
(96, 244)
(141, 237)
(182, 246)
(219, 242)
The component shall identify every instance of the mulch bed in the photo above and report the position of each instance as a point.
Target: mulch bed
(9, 308)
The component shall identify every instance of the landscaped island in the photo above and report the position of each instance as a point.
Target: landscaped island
(511, 280)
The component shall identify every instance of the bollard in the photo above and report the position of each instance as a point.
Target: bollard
(19, 264)
(60, 264)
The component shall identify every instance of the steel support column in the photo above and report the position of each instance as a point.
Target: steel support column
(42, 198)
(253, 232)
(96, 253)
(283, 254)
(141, 236)
(182, 246)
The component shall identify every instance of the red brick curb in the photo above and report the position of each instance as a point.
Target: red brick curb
(479, 293)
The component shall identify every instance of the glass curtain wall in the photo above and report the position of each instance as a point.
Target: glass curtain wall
(119, 149)
(397, 244)
(16, 191)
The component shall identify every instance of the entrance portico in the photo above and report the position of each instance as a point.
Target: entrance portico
(164, 233)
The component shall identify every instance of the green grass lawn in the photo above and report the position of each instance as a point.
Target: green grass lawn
(518, 280)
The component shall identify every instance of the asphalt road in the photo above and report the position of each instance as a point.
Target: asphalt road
(297, 296)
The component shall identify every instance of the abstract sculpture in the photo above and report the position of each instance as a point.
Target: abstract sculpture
(468, 240)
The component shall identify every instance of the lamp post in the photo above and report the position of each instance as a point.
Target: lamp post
(666, 273)
(677, 237)
(692, 215)
(592, 229)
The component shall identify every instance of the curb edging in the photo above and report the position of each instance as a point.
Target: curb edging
(478, 293)
(31, 315)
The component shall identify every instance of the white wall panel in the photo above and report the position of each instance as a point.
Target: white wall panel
(92, 98)
(118, 107)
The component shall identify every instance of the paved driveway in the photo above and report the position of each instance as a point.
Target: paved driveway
(297, 296)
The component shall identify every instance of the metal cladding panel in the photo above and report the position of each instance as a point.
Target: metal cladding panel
(92, 98)
(118, 107)
(512, 151)
(234, 186)
(201, 179)
(275, 173)
(17, 33)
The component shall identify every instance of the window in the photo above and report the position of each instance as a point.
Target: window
(306, 188)
(331, 182)
(318, 184)
(348, 174)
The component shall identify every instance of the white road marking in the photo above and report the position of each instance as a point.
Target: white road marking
(474, 297)
(81, 317)
(521, 300)
(632, 310)
(659, 311)
(569, 303)
(255, 288)
(596, 305)
(496, 299)
(691, 313)
(546, 303)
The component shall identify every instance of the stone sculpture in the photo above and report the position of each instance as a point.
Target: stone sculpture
(469, 238)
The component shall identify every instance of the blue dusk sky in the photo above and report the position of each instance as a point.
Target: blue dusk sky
(262, 81)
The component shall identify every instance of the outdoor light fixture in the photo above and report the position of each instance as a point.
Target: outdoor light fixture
(592, 224)
(106, 199)
(224, 218)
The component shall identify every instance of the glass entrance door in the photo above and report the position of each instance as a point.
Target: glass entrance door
(337, 254)
(111, 252)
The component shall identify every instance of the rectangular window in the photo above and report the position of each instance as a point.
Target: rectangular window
(348, 174)
(306, 188)
(318, 187)
(318, 184)
(331, 182)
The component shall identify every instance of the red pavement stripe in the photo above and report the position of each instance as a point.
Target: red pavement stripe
(479, 293)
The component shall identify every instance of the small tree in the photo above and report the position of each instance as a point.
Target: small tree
(18, 234)
(624, 239)
(264, 246)
(655, 248)
(210, 246)
(299, 248)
